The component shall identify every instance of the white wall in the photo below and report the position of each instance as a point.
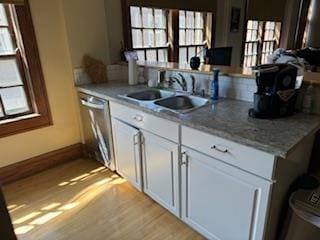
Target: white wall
(225, 38)
(57, 70)
(114, 28)
(86, 28)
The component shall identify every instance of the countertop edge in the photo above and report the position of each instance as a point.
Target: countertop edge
(277, 152)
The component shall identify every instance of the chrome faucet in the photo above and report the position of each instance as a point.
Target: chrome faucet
(193, 79)
(183, 83)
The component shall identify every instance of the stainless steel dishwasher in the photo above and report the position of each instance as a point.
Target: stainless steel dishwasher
(96, 125)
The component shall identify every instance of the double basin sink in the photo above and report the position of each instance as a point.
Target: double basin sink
(168, 100)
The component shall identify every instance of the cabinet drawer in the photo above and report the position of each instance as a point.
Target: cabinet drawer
(246, 158)
(139, 119)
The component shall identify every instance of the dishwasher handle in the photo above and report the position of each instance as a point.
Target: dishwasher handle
(92, 105)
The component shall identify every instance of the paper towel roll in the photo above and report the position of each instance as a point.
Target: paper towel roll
(133, 72)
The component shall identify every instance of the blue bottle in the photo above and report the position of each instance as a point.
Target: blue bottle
(215, 84)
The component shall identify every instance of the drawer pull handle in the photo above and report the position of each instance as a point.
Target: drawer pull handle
(138, 118)
(219, 149)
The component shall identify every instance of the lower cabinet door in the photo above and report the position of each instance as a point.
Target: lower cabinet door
(160, 171)
(127, 152)
(221, 201)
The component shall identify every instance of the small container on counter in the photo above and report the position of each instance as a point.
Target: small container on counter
(214, 88)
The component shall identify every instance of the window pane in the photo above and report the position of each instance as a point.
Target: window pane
(190, 37)
(152, 55)
(183, 55)
(190, 19)
(14, 100)
(160, 18)
(254, 35)
(136, 38)
(255, 48)
(1, 112)
(182, 37)
(198, 20)
(9, 73)
(192, 52)
(147, 18)
(199, 37)
(135, 17)
(163, 55)
(248, 39)
(6, 45)
(141, 55)
(161, 38)
(254, 24)
(148, 38)
(182, 19)
(249, 26)
(3, 16)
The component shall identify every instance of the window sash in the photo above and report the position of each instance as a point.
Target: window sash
(154, 44)
(32, 77)
(267, 34)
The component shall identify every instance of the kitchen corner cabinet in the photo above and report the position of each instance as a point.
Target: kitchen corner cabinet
(127, 152)
(222, 201)
(160, 170)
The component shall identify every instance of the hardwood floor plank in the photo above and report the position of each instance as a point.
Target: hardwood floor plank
(82, 200)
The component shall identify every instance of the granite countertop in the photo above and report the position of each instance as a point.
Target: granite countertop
(224, 118)
(231, 71)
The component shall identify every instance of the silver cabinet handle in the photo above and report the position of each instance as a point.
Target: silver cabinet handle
(92, 105)
(138, 118)
(136, 139)
(184, 158)
(219, 149)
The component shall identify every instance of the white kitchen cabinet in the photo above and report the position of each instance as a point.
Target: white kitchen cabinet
(160, 171)
(222, 201)
(127, 152)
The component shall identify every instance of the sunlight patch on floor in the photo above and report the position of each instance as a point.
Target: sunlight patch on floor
(45, 218)
(26, 217)
(55, 209)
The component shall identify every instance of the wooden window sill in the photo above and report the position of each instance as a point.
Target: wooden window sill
(24, 123)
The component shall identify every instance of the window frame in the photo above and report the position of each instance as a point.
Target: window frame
(172, 29)
(261, 41)
(145, 49)
(203, 29)
(36, 93)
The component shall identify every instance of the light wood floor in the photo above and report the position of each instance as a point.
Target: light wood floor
(82, 200)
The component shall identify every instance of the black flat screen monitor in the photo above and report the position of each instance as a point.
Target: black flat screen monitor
(219, 56)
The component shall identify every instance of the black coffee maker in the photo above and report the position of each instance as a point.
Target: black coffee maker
(276, 95)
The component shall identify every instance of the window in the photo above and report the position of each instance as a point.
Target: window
(261, 40)
(191, 35)
(23, 100)
(167, 35)
(149, 33)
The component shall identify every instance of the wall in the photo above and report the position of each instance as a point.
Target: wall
(86, 29)
(57, 69)
(289, 24)
(313, 39)
(223, 35)
(114, 28)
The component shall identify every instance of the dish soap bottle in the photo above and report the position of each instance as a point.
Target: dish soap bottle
(214, 89)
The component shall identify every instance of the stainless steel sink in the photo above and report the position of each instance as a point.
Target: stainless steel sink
(149, 95)
(166, 100)
(182, 103)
